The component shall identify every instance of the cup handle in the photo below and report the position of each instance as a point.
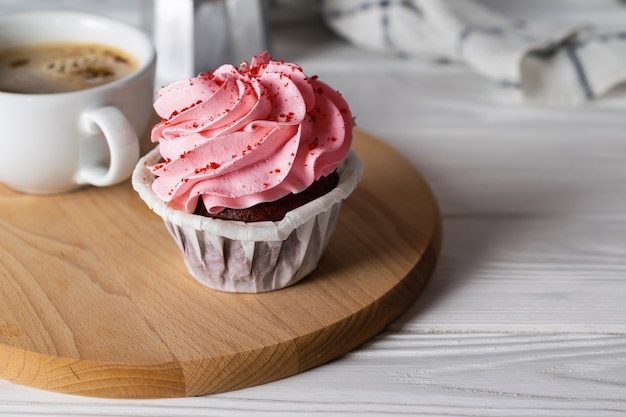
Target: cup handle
(122, 142)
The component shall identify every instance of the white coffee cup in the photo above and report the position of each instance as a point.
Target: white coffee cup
(55, 143)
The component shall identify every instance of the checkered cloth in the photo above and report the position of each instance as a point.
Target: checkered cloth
(549, 62)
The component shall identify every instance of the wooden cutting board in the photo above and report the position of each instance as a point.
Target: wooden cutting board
(95, 299)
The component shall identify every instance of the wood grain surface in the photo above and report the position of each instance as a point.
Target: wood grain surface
(97, 300)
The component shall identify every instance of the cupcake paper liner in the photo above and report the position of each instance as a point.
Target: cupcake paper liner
(235, 256)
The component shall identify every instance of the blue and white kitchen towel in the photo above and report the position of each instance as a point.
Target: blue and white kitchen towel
(552, 63)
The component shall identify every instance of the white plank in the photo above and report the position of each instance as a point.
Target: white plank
(553, 273)
(402, 374)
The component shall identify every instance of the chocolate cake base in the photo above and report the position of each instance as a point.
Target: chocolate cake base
(274, 210)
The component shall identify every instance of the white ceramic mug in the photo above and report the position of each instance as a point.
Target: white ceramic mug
(55, 143)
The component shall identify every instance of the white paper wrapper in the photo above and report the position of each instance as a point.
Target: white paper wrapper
(235, 256)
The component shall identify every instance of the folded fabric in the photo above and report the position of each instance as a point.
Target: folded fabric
(552, 63)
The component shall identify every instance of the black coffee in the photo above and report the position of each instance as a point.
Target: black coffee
(62, 67)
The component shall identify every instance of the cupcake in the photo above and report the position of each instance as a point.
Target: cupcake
(250, 171)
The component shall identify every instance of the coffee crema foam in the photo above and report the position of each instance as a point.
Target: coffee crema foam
(62, 67)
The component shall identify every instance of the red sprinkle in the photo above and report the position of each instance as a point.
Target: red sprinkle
(314, 144)
(212, 165)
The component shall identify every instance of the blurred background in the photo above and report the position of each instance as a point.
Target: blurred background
(198, 35)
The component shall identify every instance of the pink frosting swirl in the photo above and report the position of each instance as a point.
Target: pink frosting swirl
(237, 137)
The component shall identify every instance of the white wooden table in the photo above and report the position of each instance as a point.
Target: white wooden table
(526, 312)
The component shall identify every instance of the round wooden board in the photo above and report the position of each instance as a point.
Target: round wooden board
(96, 299)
